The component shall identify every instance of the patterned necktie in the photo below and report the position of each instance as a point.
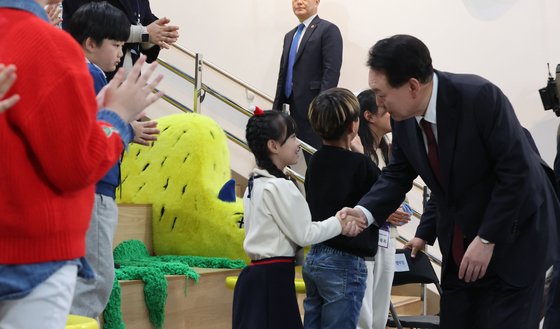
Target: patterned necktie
(291, 60)
(457, 247)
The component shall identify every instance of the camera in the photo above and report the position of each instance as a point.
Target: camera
(550, 93)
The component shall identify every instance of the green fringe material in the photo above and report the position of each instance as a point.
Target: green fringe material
(137, 264)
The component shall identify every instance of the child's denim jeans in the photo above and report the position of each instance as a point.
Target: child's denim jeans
(335, 282)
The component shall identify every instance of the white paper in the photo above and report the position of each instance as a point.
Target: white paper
(401, 265)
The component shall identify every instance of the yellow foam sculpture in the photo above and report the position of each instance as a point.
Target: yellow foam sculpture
(181, 175)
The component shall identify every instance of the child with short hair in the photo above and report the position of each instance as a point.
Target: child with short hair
(277, 224)
(334, 271)
(102, 29)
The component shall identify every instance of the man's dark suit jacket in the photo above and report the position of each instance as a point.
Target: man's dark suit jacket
(316, 68)
(493, 181)
(134, 10)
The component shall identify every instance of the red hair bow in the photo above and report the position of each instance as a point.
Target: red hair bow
(257, 111)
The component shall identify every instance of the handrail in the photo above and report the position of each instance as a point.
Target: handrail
(306, 147)
(225, 74)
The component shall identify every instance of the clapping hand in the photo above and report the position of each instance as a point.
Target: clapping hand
(163, 34)
(7, 79)
(129, 96)
(53, 11)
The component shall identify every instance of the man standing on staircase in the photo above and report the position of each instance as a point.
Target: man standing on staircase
(310, 63)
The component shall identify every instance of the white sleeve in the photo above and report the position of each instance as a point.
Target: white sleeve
(135, 35)
(292, 215)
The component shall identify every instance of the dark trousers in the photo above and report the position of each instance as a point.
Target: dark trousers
(489, 303)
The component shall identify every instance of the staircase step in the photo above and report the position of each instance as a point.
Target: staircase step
(407, 305)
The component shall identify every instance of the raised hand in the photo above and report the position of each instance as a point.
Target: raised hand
(129, 97)
(162, 34)
(399, 217)
(53, 11)
(7, 78)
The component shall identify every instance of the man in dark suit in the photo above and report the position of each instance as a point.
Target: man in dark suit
(314, 65)
(493, 207)
(148, 34)
(552, 318)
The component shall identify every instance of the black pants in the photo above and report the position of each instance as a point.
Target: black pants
(489, 303)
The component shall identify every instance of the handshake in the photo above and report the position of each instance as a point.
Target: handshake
(352, 220)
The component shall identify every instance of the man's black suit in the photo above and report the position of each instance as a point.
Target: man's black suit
(493, 185)
(316, 68)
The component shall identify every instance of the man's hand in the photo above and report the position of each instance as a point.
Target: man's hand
(349, 225)
(475, 261)
(162, 34)
(129, 97)
(359, 216)
(415, 245)
(145, 132)
(7, 78)
(399, 217)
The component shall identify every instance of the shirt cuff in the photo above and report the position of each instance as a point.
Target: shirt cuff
(136, 33)
(114, 120)
(368, 214)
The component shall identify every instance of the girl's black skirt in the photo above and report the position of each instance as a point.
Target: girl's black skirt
(265, 297)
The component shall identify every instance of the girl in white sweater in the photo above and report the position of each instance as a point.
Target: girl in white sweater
(277, 223)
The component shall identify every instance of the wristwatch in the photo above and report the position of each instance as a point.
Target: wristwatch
(484, 241)
(145, 37)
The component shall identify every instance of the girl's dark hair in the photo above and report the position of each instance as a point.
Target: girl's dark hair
(274, 125)
(367, 103)
(99, 21)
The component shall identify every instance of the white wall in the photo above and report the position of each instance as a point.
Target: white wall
(507, 41)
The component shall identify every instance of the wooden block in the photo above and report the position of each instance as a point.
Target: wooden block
(135, 222)
(206, 305)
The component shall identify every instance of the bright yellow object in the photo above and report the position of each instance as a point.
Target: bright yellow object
(181, 176)
(300, 284)
(80, 322)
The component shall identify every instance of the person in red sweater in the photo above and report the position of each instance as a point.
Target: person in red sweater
(7, 79)
(56, 145)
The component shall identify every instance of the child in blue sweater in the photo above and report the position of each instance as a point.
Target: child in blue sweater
(102, 29)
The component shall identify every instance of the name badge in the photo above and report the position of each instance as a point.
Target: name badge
(384, 237)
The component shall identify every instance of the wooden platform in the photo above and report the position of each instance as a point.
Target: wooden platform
(206, 305)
